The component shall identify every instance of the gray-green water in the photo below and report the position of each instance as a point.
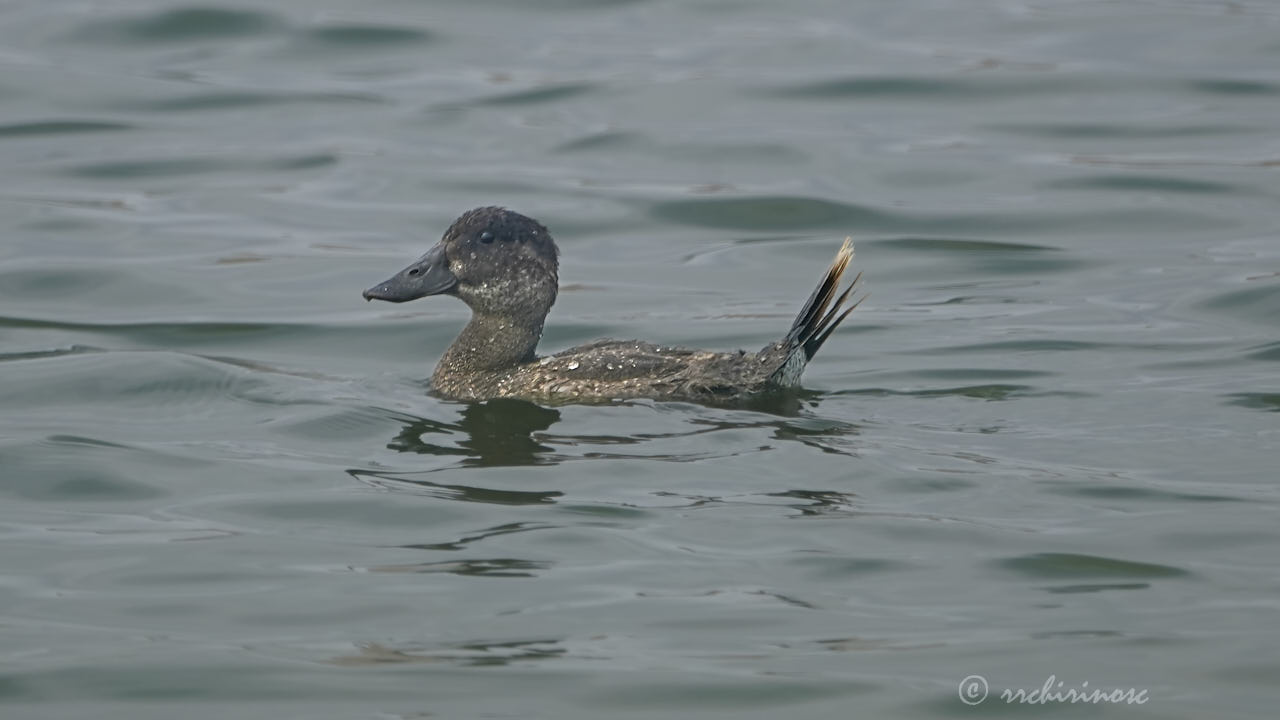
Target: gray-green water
(1046, 446)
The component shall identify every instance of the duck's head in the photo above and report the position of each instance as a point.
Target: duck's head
(497, 261)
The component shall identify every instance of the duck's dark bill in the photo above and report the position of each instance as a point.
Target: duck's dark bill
(429, 275)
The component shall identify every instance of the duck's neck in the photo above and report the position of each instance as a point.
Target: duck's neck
(491, 342)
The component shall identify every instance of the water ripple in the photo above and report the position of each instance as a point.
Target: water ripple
(1119, 131)
(487, 567)
(172, 167)
(1233, 87)
(1070, 565)
(978, 392)
(180, 25)
(535, 96)
(771, 213)
(62, 127)
(328, 38)
(1143, 183)
(242, 99)
(921, 87)
(1269, 402)
(1261, 304)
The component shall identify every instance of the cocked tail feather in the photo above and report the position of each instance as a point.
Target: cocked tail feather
(821, 314)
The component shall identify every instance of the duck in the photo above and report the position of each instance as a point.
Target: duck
(505, 267)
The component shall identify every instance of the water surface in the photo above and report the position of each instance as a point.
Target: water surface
(1045, 446)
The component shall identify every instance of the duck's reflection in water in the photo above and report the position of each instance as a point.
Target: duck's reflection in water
(510, 433)
(498, 433)
(516, 433)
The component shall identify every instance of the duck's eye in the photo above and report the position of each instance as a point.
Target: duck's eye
(486, 237)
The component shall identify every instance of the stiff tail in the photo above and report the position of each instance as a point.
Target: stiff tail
(819, 317)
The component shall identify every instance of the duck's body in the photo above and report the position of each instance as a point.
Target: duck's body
(504, 266)
(613, 369)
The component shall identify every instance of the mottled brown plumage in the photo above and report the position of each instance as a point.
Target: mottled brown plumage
(504, 266)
